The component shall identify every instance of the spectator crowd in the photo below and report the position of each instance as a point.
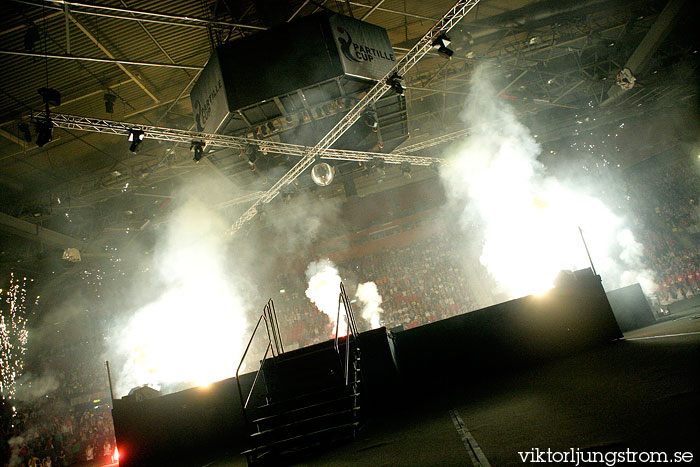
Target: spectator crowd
(664, 204)
(62, 418)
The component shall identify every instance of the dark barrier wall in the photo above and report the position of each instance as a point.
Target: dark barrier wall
(509, 335)
(631, 308)
(181, 428)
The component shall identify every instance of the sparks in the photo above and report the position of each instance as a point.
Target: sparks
(13, 335)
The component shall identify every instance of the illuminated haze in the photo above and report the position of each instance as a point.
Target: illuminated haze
(192, 331)
(529, 220)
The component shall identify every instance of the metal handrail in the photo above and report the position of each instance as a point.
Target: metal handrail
(270, 316)
(274, 326)
(351, 331)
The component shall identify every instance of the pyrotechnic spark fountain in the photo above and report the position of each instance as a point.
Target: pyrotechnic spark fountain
(13, 335)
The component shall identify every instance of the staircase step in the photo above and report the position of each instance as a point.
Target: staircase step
(307, 410)
(309, 398)
(306, 424)
(296, 440)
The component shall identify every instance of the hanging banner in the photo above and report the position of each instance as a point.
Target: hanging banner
(208, 97)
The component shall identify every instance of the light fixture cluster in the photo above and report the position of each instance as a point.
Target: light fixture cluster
(136, 139)
(44, 126)
(441, 43)
(197, 148)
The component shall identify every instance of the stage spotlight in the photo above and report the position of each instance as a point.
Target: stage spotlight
(26, 133)
(397, 84)
(136, 138)
(406, 169)
(370, 118)
(44, 131)
(441, 43)
(50, 96)
(109, 99)
(197, 147)
(379, 164)
(322, 174)
(251, 154)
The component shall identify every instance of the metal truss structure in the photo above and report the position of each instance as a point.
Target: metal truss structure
(423, 46)
(75, 122)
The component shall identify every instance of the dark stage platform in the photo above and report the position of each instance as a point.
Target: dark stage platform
(559, 383)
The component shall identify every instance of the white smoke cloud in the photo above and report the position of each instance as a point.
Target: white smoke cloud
(30, 387)
(324, 289)
(529, 220)
(368, 295)
(193, 331)
(15, 444)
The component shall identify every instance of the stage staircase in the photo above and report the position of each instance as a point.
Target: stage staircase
(303, 399)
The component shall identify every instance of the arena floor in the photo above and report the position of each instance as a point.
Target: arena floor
(641, 394)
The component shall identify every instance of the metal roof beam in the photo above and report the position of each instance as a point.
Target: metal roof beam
(112, 59)
(38, 233)
(640, 58)
(139, 15)
(396, 12)
(110, 55)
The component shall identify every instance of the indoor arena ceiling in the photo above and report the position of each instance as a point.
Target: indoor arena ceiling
(554, 60)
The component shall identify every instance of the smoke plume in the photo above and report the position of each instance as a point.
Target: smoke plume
(193, 331)
(30, 387)
(324, 290)
(368, 295)
(529, 220)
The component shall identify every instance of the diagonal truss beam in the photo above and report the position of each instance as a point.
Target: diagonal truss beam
(423, 46)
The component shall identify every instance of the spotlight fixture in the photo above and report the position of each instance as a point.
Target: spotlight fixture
(44, 131)
(270, 127)
(370, 118)
(406, 169)
(251, 154)
(26, 133)
(109, 102)
(435, 166)
(197, 147)
(441, 43)
(136, 138)
(397, 84)
(50, 96)
(379, 164)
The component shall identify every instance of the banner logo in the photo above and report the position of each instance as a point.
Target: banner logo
(346, 44)
(203, 110)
